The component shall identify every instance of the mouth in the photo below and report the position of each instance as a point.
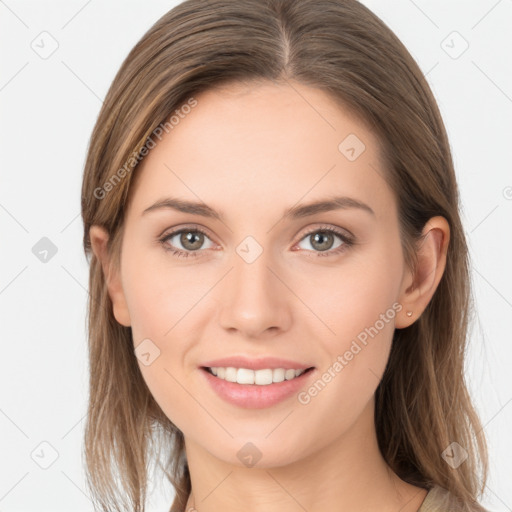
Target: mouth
(258, 388)
(261, 377)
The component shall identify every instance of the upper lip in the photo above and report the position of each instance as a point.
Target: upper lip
(252, 363)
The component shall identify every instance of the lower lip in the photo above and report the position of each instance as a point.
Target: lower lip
(253, 396)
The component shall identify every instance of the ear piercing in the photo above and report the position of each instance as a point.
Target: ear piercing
(409, 313)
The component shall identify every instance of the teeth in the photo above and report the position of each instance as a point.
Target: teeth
(259, 377)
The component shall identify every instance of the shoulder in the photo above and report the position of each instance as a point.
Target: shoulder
(439, 499)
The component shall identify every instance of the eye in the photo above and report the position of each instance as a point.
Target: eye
(190, 239)
(323, 240)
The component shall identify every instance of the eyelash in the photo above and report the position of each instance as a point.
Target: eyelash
(347, 242)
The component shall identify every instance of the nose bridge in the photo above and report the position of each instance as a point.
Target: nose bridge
(251, 264)
(253, 296)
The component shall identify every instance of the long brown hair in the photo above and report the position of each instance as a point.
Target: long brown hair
(342, 48)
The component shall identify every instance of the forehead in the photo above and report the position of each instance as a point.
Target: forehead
(250, 146)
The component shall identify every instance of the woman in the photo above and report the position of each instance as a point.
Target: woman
(279, 290)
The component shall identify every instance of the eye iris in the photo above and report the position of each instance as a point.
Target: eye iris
(188, 237)
(321, 237)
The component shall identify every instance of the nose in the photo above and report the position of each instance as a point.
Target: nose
(254, 300)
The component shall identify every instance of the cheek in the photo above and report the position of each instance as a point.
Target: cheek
(357, 301)
(361, 310)
(158, 293)
(354, 295)
(161, 299)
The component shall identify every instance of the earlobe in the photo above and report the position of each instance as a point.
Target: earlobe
(99, 239)
(419, 288)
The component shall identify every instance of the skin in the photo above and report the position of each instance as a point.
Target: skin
(250, 153)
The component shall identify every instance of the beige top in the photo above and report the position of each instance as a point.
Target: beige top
(439, 499)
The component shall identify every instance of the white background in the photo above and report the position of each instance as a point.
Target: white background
(48, 109)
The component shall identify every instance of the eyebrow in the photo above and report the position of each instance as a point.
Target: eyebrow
(295, 212)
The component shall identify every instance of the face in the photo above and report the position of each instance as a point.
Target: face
(263, 276)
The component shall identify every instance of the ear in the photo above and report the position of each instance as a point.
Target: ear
(417, 289)
(99, 238)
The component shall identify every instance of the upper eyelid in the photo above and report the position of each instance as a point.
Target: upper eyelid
(176, 231)
(326, 227)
